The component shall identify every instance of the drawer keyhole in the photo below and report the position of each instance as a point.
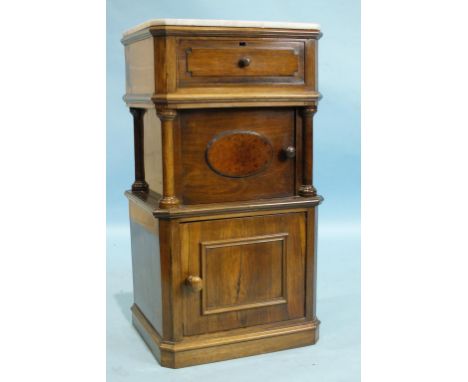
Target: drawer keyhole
(242, 43)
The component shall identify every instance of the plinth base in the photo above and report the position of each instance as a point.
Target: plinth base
(221, 346)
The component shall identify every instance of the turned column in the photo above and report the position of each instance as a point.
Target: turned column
(167, 118)
(307, 189)
(139, 184)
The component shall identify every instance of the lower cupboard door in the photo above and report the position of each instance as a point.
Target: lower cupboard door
(251, 270)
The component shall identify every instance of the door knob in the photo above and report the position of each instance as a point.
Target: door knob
(194, 283)
(290, 152)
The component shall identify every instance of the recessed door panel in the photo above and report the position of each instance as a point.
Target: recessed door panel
(224, 62)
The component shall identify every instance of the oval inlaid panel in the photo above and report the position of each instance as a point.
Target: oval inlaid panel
(238, 154)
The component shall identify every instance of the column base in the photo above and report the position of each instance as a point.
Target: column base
(140, 185)
(307, 190)
(168, 202)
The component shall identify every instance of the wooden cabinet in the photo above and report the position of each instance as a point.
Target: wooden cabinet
(223, 210)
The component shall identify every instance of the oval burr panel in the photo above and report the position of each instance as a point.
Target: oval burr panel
(238, 154)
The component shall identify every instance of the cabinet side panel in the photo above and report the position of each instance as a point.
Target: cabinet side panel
(311, 64)
(311, 263)
(139, 60)
(152, 150)
(146, 264)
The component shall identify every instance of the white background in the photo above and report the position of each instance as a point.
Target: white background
(414, 191)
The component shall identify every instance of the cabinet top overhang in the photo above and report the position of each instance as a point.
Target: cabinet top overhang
(201, 27)
(221, 23)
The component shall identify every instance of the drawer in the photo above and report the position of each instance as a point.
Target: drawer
(255, 61)
(251, 271)
(237, 154)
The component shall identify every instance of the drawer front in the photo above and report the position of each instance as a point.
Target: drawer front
(214, 62)
(234, 155)
(251, 269)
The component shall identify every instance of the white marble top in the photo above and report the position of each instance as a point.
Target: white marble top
(222, 23)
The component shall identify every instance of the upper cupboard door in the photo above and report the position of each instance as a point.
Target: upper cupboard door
(255, 61)
(233, 155)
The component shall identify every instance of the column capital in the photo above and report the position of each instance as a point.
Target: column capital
(309, 111)
(137, 111)
(166, 114)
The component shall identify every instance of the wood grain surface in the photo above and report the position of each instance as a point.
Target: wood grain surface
(223, 209)
(203, 185)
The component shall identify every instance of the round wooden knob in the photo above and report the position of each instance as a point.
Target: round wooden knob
(290, 152)
(194, 283)
(244, 62)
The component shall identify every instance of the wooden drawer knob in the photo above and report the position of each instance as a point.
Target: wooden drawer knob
(244, 62)
(194, 283)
